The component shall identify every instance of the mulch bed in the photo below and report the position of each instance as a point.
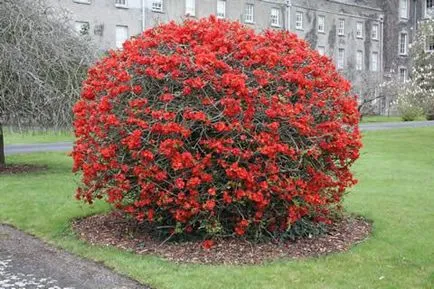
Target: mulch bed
(113, 230)
(20, 169)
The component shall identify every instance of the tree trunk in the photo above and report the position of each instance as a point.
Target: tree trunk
(2, 147)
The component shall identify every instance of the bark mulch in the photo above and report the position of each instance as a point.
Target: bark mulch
(20, 169)
(113, 230)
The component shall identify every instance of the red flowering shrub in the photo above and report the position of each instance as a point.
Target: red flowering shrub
(208, 128)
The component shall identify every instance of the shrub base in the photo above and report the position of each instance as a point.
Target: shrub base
(114, 230)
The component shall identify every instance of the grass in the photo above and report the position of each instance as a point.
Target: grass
(50, 136)
(32, 137)
(382, 118)
(396, 190)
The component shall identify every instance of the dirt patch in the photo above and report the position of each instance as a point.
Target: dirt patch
(20, 169)
(113, 230)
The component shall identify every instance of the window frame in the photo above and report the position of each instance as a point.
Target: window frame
(275, 17)
(322, 17)
(82, 1)
(376, 30)
(400, 38)
(376, 54)
(159, 7)
(405, 78)
(223, 2)
(404, 16)
(341, 58)
(359, 66)
(430, 9)
(81, 27)
(359, 24)
(120, 5)
(341, 30)
(249, 14)
(429, 44)
(192, 8)
(299, 21)
(116, 35)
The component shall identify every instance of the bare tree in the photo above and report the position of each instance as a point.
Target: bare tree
(42, 64)
(367, 86)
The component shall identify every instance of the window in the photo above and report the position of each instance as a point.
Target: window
(341, 27)
(321, 23)
(275, 21)
(190, 7)
(430, 43)
(82, 27)
(157, 5)
(403, 43)
(429, 8)
(121, 35)
(374, 61)
(403, 74)
(341, 58)
(82, 1)
(403, 9)
(221, 9)
(359, 60)
(321, 50)
(248, 13)
(374, 33)
(359, 30)
(121, 3)
(299, 20)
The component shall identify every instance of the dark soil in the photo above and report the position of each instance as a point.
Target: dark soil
(113, 230)
(20, 169)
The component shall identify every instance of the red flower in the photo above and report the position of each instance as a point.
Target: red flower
(208, 244)
(209, 205)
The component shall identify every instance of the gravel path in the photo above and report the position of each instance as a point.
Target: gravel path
(67, 146)
(28, 263)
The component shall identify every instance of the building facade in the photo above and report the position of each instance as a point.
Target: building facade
(367, 39)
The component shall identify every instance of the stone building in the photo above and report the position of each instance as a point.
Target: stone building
(367, 39)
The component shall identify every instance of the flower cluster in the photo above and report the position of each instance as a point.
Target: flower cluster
(209, 128)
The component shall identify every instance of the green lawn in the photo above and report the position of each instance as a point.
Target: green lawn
(28, 137)
(381, 118)
(396, 190)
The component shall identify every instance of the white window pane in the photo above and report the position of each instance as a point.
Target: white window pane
(374, 61)
(82, 27)
(430, 43)
(157, 5)
(299, 20)
(403, 5)
(321, 23)
(248, 13)
(190, 7)
(121, 3)
(403, 74)
(341, 27)
(275, 15)
(321, 50)
(341, 58)
(359, 60)
(221, 8)
(403, 43)
(121, 35)
(374, 34)
(359, 30)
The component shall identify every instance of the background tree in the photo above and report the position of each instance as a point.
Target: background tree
(42, 64)
(421, 88)
(366, 85)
